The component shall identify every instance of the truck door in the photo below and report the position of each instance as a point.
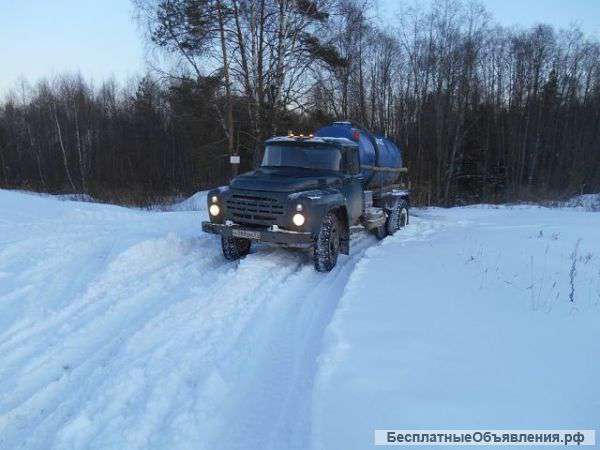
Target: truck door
(352, 184)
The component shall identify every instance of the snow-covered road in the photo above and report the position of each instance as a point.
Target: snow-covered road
(127, 329)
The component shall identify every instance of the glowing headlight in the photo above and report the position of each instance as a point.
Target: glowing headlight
(214, 199)
(214, 210)
(298, 220)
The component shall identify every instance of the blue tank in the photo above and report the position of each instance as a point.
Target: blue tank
(374, 150)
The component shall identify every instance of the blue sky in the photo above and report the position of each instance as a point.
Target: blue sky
(46, 37)
(561, 13)
(98, 37)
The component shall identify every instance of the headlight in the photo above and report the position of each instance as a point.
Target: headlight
(214, 199)
(214, 210)
(298, 220)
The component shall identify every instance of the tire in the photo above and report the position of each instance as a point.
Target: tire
(392, 222)
(398, 218)
(327, 244)
(234, 248)
(403, 216)
(380, 232)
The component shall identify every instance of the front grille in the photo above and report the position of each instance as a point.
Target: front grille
(254, 209)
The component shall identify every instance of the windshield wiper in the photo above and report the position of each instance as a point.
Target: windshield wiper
(294, 167)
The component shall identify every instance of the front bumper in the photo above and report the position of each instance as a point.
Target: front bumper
(275, 237)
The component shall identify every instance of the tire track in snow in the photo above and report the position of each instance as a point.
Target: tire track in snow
(272, 408)
(273, 402)
(164, 363)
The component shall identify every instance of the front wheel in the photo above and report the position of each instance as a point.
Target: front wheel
(234, 248)
(327, 244)
(381, 231)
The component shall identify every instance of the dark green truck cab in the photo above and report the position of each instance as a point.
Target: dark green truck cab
(308, 192)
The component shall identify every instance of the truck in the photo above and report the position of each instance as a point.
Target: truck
(312, 191)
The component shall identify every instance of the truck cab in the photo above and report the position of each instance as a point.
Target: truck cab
(309, 192)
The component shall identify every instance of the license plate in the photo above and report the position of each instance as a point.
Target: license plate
(246, 234)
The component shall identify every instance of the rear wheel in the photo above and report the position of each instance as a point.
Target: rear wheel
(234, 248)
(403, 217)
(327, 244)
(397, 218)
(391, 224)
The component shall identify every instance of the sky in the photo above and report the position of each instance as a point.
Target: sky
(560, 13)
(43, 38)
(98, 38)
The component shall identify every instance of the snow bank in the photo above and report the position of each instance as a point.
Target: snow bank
(471, 326)
(75, 197)
(196, 202)
(586, 202)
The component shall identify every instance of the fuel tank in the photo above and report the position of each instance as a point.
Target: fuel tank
(374, 151)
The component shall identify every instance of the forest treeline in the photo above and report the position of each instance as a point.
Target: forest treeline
(484, 112)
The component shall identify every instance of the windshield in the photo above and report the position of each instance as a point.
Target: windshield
(323, 157)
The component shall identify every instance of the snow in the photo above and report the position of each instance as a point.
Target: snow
(314, 140)
(196, 202)
(122, 328)
(586, 202)
(467, 324)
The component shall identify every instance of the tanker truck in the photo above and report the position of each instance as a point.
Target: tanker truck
(313, 191)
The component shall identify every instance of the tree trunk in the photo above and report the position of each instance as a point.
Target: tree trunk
(230, 132)
(64, 152)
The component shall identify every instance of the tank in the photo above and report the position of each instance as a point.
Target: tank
(374, 150)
